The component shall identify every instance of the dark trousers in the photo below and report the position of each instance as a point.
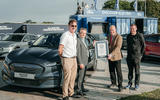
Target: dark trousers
(115, 66)
(81, 73)
(132, 65)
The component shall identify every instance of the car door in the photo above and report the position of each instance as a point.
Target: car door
(157, 46)
(150, 45)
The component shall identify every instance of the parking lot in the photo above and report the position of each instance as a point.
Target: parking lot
(96, 82)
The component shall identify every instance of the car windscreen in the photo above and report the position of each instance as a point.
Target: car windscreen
(12, 37)
(48, 40)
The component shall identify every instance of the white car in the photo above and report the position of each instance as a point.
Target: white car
(14, 41)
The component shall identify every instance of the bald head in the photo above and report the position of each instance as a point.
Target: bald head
(112, 30)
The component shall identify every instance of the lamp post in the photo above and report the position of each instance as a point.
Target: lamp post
(145, 8)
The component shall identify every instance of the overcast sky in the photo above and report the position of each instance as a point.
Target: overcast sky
(57, 11)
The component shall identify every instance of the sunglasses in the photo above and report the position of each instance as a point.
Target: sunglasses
(73, 25)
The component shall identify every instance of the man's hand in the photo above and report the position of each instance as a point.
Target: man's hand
(109, 56)
(60, 49)
(94, 42)
(81, 66)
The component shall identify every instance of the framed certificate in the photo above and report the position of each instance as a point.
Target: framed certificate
(101, 49)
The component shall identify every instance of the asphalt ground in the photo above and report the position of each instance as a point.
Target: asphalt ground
(96, 82)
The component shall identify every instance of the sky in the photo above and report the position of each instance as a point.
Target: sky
(57, 11)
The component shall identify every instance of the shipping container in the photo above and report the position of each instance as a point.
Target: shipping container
(42, 28)
(11, 28)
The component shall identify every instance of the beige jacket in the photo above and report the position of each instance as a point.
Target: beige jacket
(115, 47)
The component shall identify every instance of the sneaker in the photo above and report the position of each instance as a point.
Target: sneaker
(128, 86)
(136, 87)
(112, 86)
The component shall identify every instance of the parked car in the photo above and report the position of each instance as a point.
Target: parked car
(38, 66)
(124, 44)
(2, 35)
(152, 45)
(15, 40)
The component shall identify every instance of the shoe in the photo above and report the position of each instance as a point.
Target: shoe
(137, 87)
(85, 90)
(66, 98)
(75, 96)
(81, 94)
(128, 86)
(120, 89)
(112, 86)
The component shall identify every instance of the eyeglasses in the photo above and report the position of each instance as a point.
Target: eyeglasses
(82, 33)
(73, 25)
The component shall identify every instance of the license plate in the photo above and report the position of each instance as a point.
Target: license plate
(24, 75)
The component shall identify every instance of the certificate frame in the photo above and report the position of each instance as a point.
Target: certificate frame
(101, 49)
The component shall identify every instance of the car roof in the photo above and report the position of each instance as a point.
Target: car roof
(18, 33)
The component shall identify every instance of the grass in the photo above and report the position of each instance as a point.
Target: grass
(153, 95)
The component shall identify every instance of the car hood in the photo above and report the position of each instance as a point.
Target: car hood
(6, 43)
(36, 55)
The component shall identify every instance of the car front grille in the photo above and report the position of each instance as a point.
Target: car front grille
(27, 82)
(26, 68)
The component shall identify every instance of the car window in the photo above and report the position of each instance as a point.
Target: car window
(152, 39)
(28, 38)
(12, 37)
(159, 39)
(48, 40)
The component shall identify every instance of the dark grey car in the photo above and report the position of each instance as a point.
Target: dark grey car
(38, 66)
(15, 40)
(124, 44)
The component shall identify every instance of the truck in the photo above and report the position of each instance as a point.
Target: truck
(97, 22)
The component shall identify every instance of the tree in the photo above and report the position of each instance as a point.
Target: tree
(29, 22)
(123, 5)
(152, 7)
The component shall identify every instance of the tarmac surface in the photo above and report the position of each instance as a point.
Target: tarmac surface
(96, 82)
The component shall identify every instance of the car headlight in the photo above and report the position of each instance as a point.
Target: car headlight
(11, 47)
(7, 60)
(51, 64)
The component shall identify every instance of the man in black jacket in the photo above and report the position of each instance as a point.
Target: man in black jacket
(135, 50)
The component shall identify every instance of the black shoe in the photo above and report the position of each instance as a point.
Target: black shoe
(81, 94)
(112, 86)
(85, 90)
(75, 96)
(120, 89)
(66, 98)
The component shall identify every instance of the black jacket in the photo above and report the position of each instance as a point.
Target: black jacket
(135, 46)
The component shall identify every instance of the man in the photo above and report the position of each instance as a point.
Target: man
(135, 50)
(114, 57)
(68, 52)
(82, 59)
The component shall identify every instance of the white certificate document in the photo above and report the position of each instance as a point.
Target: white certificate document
(101, 49)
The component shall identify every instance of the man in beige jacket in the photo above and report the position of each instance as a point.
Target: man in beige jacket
(114, 58)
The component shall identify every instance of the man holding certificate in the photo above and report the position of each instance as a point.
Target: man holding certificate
(114, 58)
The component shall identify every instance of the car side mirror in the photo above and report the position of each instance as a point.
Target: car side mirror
(30, 43)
